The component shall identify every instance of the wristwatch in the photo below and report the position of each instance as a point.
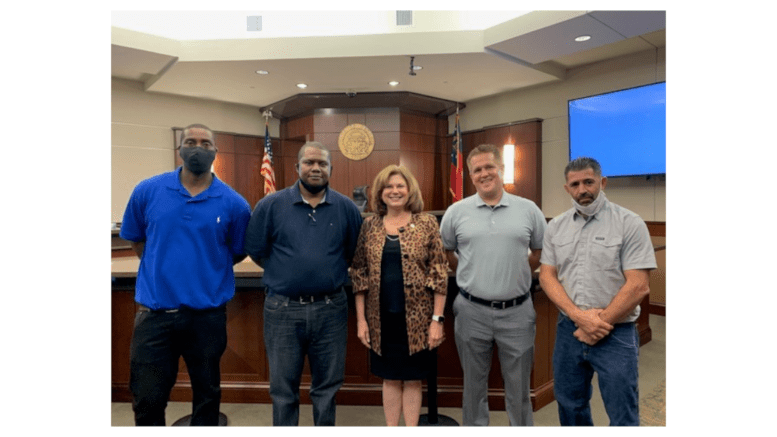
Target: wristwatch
(439, 319)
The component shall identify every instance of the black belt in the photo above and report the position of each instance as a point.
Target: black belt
(496, 304)
(142, 307)
(311, 298)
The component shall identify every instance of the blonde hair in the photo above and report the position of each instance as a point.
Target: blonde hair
(415, 203)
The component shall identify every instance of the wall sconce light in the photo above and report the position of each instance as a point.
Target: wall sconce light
(508, 157)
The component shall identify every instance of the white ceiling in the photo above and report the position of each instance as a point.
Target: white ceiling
(461, 62)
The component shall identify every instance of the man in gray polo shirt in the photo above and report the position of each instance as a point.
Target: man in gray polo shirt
(492, 232)
(596, 261)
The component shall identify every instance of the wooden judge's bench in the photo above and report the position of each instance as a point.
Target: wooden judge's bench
(244, 368)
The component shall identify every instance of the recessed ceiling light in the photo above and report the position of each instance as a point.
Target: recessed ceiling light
(393, 83)
(301, 85)
(262, 72)
(582, 38)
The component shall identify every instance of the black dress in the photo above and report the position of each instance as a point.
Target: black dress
(395, 361)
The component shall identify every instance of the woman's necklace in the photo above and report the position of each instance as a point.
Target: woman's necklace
(392, 237)
(393, 224)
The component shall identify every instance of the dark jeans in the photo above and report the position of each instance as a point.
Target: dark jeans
(293, 330)
(615, 359)
(158, 340)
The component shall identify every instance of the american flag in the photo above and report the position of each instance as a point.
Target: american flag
(457, 175)
(267, 170)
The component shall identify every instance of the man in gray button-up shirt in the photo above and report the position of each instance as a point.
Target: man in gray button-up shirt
(596, 260)
(497, 240)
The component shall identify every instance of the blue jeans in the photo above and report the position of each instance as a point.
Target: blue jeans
(293, 330)
(615, 359)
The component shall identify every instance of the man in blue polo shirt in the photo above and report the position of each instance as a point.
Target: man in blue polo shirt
(304, 237)
(188, 229)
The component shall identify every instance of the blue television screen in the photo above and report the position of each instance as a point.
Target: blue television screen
(624, 130)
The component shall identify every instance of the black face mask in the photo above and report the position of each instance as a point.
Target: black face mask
(313, 189)
(196, 159)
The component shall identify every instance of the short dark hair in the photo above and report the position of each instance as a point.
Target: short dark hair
(315, 145)
(485, 148)
(196, 126)
(583, 163)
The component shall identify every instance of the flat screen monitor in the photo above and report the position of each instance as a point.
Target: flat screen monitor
(624, 130)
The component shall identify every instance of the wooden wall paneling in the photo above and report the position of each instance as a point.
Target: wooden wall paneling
(422, 166)
(417, 123)
(224, 167)
(122, 321)
(383, 120)
(469, 141)
(447, 145)
(442, 167)
(496, 136)
(364, 172)
(290, 147)
(329, 140)
(529, 132)
(297, 128)
(357, 117)
(545, 339)
(413, 142)
(285, 172)
(248, 179)
(224, 142)
(357, 368)
(418, 143)
(244, 360)
(527, 175)
(442, 196)
(329, 122)
(289, 170)
(387, 141)
(340, 177)
(643, 322)
(249, 145)
(657, 229)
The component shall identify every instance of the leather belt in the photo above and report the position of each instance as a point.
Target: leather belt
(311, 298)
(496, 304)
(306, 299)
(142, 307)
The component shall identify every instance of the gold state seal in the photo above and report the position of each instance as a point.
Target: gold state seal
(356, 142)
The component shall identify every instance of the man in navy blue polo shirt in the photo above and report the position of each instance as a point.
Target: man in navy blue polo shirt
(188, 229)
(304, 237)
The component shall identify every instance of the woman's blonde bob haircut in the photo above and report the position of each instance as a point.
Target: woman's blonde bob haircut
(415, 203)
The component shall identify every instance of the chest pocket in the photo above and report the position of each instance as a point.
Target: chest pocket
(606, 252)
(564, 249)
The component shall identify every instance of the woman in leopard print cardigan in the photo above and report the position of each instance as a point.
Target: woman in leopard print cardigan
(400, 277)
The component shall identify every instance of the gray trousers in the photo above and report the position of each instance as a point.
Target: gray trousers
(478, 328)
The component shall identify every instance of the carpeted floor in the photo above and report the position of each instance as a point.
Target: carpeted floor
(652, 408)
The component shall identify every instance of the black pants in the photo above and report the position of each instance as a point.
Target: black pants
(158, 341)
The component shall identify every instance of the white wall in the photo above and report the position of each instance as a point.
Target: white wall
(142, 134)
(549, 102)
